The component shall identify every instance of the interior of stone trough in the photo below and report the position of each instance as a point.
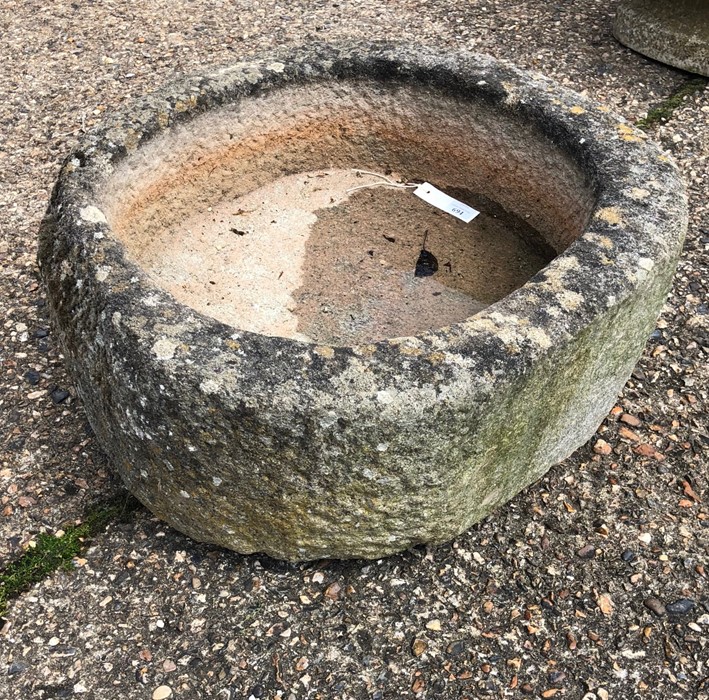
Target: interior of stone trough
(274, 215)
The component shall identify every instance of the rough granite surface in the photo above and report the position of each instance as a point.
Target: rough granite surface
(590, 584)
(304, 451)
(672, 32)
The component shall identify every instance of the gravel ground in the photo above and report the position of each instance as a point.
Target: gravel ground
(591, 583)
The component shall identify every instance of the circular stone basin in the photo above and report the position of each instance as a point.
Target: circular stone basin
(320, 256)
(676, 32)
(238, 299)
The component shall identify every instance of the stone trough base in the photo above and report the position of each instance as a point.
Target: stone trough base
(675, 32)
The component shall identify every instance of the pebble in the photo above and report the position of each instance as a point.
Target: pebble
(628, 434)
(628, 555)
(32, 377)
(434, 625)
(162, 692)
(655, 605)
(419, 646)
(645, 450)
(333, 591)
(629, 419)
(680, 607)
(602, 447)
(59, 395)
(587, 552)
(16, 667)
(455, 648)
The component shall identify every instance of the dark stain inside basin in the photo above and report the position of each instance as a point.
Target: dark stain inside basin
(359, 281)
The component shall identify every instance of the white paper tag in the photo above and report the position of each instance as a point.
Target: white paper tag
(439, 199)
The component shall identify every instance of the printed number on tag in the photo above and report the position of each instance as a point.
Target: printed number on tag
(439, 199)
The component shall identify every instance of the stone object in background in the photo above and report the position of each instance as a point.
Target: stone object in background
(271, 443)
(675, 32)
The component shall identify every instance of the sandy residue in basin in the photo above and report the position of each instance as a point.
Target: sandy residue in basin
(303, 257)
(242, 260)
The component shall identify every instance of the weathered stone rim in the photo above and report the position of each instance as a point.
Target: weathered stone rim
(607, 145)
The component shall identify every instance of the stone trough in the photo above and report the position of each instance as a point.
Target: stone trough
(240, 304)
(672, 31)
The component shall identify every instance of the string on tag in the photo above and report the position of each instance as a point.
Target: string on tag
(383, 182)
(424, 190)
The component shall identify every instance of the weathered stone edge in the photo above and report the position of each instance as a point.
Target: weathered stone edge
(568, 116)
